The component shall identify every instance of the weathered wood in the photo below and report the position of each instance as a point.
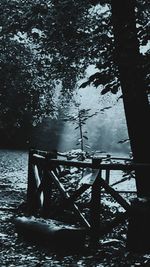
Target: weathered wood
(66, 197)
(51, 233)
(47, 191)
(103, 166)
(78, 192)
(44, 170)
(37, 193)
(107, 178)
(95, 210)
(115, 195)
(37, 159)
(32, 187)
(89, 178)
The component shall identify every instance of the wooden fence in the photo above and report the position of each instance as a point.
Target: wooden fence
(43, 171)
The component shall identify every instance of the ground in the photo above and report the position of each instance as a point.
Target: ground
(15, 252)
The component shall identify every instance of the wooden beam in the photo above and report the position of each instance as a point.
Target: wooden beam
(95, 210)
(32, 187)
(37, 159)
(115, 195)
(66, 196)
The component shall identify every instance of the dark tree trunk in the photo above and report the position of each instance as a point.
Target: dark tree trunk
(135, 99)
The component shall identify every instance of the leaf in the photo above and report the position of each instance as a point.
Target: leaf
(87, 146)
(105, 90)
(85, 137)
(123, 141)
(114, 90)
(85, 84)
(83, 119)
(97, 83)
(94, 76)
(105, 108)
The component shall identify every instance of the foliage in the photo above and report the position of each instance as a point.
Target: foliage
(79, 119)
(47, 45)
(108, 77)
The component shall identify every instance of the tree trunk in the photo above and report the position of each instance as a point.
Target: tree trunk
(135, 99)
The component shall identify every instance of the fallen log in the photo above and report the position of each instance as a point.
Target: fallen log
(50, 233)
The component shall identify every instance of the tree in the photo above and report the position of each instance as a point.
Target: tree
(43, 43)
(135, 98)
(133, 75)
(62, 38)
(79, 119)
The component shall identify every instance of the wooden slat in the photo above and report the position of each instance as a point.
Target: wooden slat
(115, 195)
(78, 192)
(103, 166)
(66, 196)
(89, 178)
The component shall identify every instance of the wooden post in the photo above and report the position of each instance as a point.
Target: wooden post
(107, 176)
(32, 187)
(95, 210)
(47, 186)
(47, 190)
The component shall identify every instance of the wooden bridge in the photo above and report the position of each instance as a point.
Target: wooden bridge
(44, 171)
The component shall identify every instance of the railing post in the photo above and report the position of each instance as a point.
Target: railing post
(107, 176)
(95, 211)
(32, 187)
(47, 189)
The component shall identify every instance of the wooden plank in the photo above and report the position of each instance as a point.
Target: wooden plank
(115, 195)
(37, 193)
(78, 192)
(95, 210)
(66, 196)
(103, 166)
(32, 204)
(89, 178)
(107, 176)
(47, 191)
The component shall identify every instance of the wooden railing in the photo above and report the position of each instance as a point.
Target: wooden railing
(44, 170)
